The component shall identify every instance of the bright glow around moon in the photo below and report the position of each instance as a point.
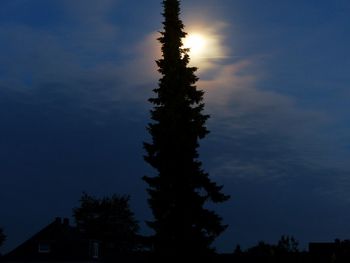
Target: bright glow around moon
(205, 47)
(196, 43)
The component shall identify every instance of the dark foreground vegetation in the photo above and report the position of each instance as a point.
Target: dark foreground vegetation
(102, 235)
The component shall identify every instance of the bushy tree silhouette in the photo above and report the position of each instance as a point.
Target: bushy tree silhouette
(181, 188)
(108, 220)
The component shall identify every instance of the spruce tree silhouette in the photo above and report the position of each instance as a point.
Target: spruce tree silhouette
(177, 195)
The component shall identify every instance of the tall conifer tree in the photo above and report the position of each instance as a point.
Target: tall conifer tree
(181, 188)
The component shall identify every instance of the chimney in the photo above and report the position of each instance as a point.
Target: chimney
(58, 220)
(66, 221)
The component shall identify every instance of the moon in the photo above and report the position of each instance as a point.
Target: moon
(205, 48)
(197, 44)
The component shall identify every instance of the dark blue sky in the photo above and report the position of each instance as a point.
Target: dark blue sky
(74, 81)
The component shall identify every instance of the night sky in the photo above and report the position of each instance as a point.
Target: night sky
(75, 76)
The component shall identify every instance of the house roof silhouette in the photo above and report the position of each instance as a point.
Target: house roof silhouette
(57, 241)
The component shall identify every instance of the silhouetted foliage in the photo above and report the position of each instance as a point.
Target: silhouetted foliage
(178, 193)
(285, 251)
(108, 220)
(2, 237)
(288, 244)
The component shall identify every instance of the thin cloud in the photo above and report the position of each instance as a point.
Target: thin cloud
(261, 134)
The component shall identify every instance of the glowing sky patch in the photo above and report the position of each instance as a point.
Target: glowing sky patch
(197, 44)
(205, 42)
